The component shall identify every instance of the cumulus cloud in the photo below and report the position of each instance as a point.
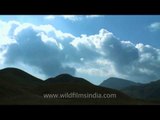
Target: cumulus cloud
(99, 67)
(51, 52)
(34, 48)
(138, 62)
(6, 36)
(154, 26)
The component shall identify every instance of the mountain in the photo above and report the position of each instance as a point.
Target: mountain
(66, 83)
(150, 91)
(15, 83)
(66, 78)
(118, 83)
(20, 88)
(17, 76)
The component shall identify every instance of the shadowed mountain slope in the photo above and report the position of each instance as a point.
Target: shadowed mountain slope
(21, 88)
(149, 91)
(118, 83)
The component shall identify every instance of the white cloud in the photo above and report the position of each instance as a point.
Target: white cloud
(154, 26)
(35, 46)
(51, 52)
(80, 17)
(130, 61)
(47, 29)
(99, 67)
(6, 36)
(93, 16)
(50, 17)
(72, 17)
(3, 50)
(92, 42)
(49, 40)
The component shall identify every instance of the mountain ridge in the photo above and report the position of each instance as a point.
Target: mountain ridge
(149, 91)
(117, 83)
(19, 87)
(66, 78)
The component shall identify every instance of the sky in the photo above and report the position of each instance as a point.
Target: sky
(94, 47)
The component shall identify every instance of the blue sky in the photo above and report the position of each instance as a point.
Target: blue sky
(95, 47)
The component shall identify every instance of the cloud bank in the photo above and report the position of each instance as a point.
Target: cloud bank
(52, 52)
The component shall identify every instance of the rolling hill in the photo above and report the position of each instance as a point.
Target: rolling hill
(16, 84)
(118, 83)
(20, 88)
(17, 76)
(66, 78)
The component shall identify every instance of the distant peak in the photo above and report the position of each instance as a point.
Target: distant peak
(115, 78)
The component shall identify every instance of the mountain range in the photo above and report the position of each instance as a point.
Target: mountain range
(118, 83)
(17, 87)
(150, 91)
(147, 91)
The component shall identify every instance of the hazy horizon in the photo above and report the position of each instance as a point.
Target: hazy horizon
(94, 47)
